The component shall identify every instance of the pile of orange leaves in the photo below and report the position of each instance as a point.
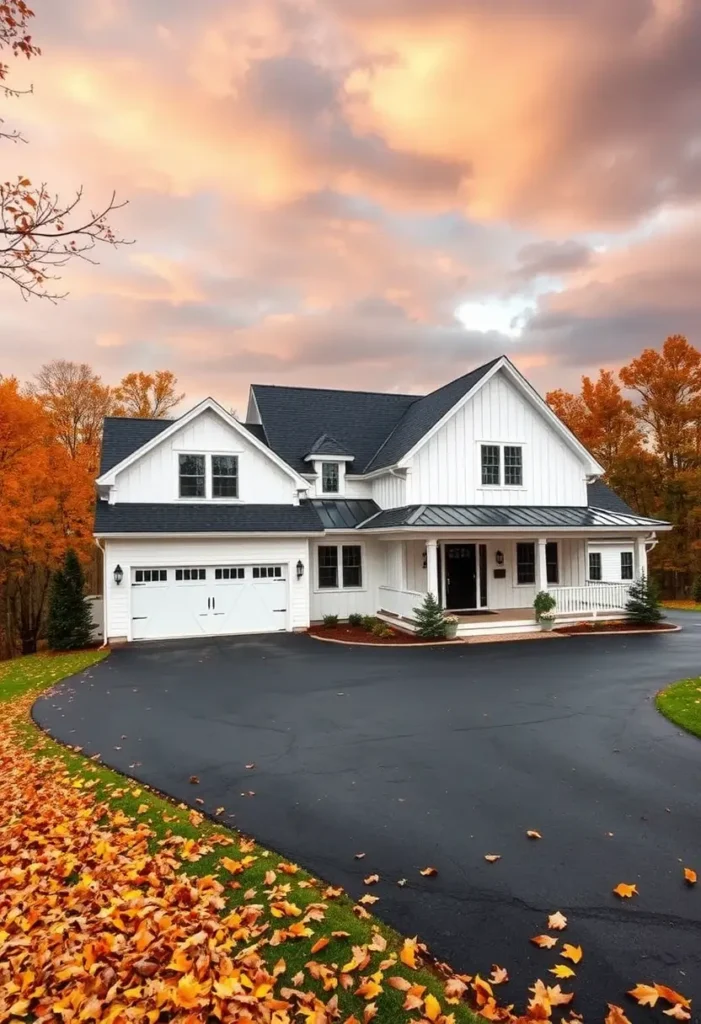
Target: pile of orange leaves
(101, 921)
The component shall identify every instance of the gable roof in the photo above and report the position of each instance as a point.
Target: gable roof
(327, 445)
(122, 436)
(294, 418)
(424, 414)
(600, 495)
(170, 427)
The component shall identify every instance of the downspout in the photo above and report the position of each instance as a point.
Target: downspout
(104, 592)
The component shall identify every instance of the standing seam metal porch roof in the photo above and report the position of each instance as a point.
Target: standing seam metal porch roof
(526, 517)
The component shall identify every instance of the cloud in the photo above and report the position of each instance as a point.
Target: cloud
(552, 258)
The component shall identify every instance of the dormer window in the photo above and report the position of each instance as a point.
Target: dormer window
(192, 476)
(330, 478)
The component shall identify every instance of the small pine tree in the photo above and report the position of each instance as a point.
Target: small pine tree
(643, 606)
(430, 622)
(70, 621)
(696, 590)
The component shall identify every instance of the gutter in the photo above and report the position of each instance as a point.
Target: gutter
(104, 592)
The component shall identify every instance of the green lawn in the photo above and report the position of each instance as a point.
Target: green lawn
(23, 679)
(681, 703)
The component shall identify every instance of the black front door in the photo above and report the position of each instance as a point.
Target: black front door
(460, 577)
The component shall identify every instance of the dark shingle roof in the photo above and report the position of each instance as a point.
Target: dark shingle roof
(600, 495)
(211, 518)
(377, 428)
(122, 436)
(527, 517)
(343, 513)
(424, 414)
(295, 417)
(326, 445)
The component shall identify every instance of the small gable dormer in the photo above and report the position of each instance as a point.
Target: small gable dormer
(329, 459)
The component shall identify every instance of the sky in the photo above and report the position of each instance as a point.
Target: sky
(368, 194)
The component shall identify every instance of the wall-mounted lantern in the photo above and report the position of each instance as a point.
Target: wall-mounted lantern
(499, 556)
(118, 574)
(300, 569)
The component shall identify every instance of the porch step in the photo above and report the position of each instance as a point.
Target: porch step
(498, 626)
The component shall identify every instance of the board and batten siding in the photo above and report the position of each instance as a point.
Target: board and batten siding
(447, 470)
(389, 491)
(611, 560)
(508, 593)
(132, 554)
(154, 477)
(362, 601)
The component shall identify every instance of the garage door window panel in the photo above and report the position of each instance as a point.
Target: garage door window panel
(267, 572)
(230, 573)
(144, 576)
(190, 575)
(192, 470)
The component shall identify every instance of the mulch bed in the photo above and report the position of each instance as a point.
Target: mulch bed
(358, 635)
(614, 627)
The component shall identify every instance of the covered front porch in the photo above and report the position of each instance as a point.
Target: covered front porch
(490, 583)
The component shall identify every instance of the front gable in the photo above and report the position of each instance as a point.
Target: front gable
(502, 412)
(151, 473)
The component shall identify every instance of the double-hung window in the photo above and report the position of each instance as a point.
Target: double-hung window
(552, 566)
(225, 476)
(626, 565)
(340, 566)
(192, 476)
(525, 562)
(502, 465)
(595, 566)
(330, 478)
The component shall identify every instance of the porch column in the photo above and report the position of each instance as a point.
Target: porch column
(541, 566)
(432, 568)
(640, 558)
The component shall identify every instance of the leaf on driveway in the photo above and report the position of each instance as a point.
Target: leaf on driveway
(573, 953)
(401, 882)
(194, 780)
(368, 899)
(625, 891)
(646, 995)
(371, 879)
(532, 834)
(690, 876)
(678, 1012)
(492, 857)
(562, 971)
(428, 872)
(544, 941)
(670, 996)
(616, 1015)
(557, 921)
(499, 975)
(251, 765)
(359, 856)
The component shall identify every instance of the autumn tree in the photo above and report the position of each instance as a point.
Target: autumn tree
(45, 506)
(147, 395)
(39, 231)
(77, 401)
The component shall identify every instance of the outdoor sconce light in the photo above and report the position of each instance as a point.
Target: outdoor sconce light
(118, 575)
(300, 570)
(424, 563)
(499, 557)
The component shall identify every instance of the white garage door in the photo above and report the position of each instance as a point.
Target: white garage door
(197, 600)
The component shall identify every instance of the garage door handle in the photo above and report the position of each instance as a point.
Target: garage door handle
(279, 609)
(209, 602)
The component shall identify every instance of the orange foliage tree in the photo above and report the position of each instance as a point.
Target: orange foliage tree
(147, 395)
(45, 507)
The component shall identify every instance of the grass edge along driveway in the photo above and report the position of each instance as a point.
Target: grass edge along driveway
(181, 915)
(681, 704)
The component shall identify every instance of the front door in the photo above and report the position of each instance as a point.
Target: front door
(460, 577)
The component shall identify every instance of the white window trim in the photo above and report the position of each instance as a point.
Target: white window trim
(514, 573)
(342, 466)
(339, 565)
(208, 485)
(501, 445)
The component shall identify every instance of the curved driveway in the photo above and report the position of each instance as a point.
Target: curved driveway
(436, 757)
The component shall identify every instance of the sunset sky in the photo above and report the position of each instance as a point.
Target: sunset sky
(372, 194)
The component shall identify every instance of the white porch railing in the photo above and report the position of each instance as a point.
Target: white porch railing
(400, 602)
(592, 597)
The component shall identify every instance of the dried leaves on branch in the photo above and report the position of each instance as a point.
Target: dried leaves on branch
(39, 232)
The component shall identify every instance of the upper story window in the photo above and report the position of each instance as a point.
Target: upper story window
(192, 476)
(496, 456)
(225, 476)
(330, 478)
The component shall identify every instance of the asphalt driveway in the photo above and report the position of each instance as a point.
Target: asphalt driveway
(437, 757)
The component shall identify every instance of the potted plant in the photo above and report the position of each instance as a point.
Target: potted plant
(451, 626)
(544, 602)
(547, 619)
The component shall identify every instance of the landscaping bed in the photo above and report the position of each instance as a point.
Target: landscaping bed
(616, 626)
(361, 635)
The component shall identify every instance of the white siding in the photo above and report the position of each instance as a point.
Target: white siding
(358, 488)
(416, 572)
(154, 477)
(611, 560)
(507, 593)
(389, 491)
(163, 553)
(347, 486)
(346, 602)
(447, 470)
